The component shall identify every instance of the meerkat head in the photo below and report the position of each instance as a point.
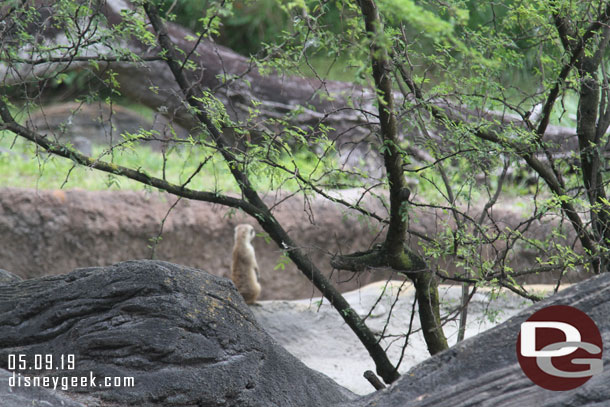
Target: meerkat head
(244, 232)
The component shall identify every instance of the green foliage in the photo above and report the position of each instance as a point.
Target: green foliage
(422, 19)
(241, 25)
(282, 262)
(24, 165)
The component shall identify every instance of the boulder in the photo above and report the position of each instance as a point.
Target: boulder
(13, 396)
(484, 371)
(186, 338)
(6, 277)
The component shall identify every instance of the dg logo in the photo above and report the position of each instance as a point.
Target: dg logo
(560, 348)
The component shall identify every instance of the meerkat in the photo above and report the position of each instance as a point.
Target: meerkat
(244, 269)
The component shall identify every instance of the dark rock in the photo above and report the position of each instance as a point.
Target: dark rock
(20, 396)
(185, 336)
(6, 277)
(484, 371)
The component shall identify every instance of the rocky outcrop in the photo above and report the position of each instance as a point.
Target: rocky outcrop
(13, 396)
(185, 337)
(6, 277)
(483, 370)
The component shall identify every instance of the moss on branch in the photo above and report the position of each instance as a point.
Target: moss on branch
(407, 262)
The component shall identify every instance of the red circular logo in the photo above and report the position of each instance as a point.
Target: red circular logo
(559, 348)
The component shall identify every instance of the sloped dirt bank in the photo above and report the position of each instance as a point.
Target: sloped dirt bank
(48, 232)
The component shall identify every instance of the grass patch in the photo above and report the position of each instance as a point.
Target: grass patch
(24, 165)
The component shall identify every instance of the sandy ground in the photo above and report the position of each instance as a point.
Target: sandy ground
(315, 333)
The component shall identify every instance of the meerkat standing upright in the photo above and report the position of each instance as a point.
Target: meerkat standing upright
(244, 269)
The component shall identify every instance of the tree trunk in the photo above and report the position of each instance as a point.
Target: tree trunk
(394, 245)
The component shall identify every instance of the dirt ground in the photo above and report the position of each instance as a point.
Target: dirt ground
(53, 232)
